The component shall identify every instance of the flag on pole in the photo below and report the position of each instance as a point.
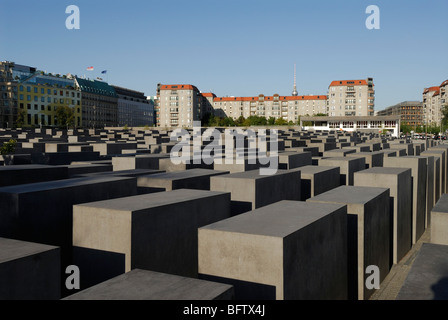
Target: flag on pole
(104, 72)
(90, 68)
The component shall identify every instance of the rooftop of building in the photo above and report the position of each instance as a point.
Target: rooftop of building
(96, 87)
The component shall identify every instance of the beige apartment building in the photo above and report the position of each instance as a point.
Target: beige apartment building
(434, 98)
(351, 98)
(179, 106)
(290, 108)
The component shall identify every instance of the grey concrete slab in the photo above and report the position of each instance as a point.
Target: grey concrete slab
(156, 232)
(372, 159)
(368, 241)
(168, 181)
(441, 155)
(419, 174)
(291, 160)
(427, 279)
(149, 285)
(24, 174)
(399, 181)
(150, 161)
(318, 179)
(439, 221)
(42, 212)
(29, 271)
(338, 152)
(274, 252)
(250, 190)
(348, 166)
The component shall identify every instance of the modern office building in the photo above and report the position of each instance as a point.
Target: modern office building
(134, 108)
(99, 103)
(410, 112)
(434, 98)
(40, 95)
(351, 98)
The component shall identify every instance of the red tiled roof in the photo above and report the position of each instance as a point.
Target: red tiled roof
(208, 94)
(178, 87)
(444, 83)
(348, 83)
(271, 98)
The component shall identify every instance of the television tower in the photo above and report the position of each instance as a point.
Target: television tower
(294, 92)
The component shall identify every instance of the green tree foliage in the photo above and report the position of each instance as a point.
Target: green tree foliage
(65, 116)
(8, 147)
(21, 115)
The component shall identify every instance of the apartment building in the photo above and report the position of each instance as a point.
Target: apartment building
(8, 95)
(410, 112)
(290, 108)
(179, 105)
(351, 98)
(434, 98)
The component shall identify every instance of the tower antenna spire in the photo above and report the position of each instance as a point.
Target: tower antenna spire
(294, 92)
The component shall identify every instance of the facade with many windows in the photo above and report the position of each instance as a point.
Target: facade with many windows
(134, 109)
(351, 98)
(434, 99)
(40, 95)
(410, 112)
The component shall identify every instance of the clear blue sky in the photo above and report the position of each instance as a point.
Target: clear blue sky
(235, 48)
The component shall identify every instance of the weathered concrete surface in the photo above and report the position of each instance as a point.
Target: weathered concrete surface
(276, 250)
(29, 271)
(399, 181)
(418, 167)
(439, 221)
(291, 160)
(31, 173)
(149, 285)
(168, 181)
(348, 166)
(372, 159)
(146, 161)
(368, 210)
(250, 190)
(318, 179)
(427, 279)
(155, 231)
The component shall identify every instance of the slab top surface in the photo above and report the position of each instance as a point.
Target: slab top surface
(350, 194)
(276, 220)
(11, 249)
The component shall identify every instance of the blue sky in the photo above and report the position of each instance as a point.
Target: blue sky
(235, 48)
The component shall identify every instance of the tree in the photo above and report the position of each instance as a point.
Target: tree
(21, 115)
(444, 116)
(8, 147)
(271, 121)
(281, 122)
(65, 116)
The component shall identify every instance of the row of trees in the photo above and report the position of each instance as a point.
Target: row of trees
(64, 115)
(210, 120)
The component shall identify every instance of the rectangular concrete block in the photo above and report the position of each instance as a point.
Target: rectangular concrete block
(250, 190)
(286, 250)
(439, 221)
(150, 161)
(441, 154)
(156, 232)
(168, 181)
(372, 159)
(427, 278)
(149, 285)
(368, 230)
(399, 181)
(31, 173)
(348, 166)
(29, 271)
(418, 167)
(318, 179)
(291, 160)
